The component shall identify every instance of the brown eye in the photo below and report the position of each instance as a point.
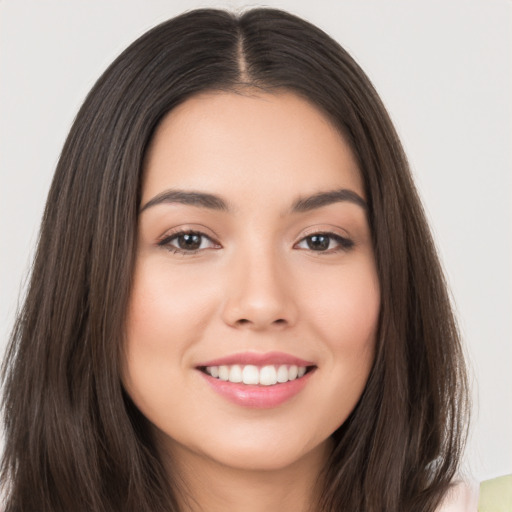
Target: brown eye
(187, 242)
(326, 242)
(318, 242)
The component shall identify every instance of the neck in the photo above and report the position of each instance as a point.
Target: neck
(206, 485)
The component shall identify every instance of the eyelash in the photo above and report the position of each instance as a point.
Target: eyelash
(345, 244)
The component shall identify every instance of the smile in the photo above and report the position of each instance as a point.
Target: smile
(256, 380)
(268, 375)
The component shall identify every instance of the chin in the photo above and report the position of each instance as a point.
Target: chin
(253, 454)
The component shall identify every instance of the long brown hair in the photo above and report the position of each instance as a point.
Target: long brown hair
(73, 439)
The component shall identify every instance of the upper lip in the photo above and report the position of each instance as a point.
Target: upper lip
(257, 359)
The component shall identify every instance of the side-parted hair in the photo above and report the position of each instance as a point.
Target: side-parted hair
(74, 441)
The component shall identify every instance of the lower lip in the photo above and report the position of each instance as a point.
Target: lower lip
(257, 397)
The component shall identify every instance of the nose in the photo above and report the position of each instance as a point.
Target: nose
(260, 294)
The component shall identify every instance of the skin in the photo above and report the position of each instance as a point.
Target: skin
(254, 285)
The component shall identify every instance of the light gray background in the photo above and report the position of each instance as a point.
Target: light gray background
(442, 67)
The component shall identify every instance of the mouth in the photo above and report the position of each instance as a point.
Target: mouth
(253, 375)
(255, 380)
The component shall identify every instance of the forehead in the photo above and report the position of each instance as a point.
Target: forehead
(262, 144)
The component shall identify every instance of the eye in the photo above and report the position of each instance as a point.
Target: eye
(187, 242)
(326, 242)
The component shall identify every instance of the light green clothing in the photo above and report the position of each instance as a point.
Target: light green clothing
(496, 495)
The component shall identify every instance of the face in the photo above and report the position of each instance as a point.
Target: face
(252, 320)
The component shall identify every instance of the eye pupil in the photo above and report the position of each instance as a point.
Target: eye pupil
(318, 242)
(189, 241)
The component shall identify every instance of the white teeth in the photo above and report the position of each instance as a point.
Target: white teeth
(254, 375)
(224, 372)
(282, 373)
(235, 374)
(251, 374)
(268, 376)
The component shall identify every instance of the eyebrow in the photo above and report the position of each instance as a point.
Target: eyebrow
(306, 204)
(214, 202)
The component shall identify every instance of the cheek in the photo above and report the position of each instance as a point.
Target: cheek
(166, 315)
(167, 306)
(345, 313)
(345, 308)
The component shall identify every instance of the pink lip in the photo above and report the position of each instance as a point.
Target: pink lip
(257, 397)
(254, 396)
(257, 359)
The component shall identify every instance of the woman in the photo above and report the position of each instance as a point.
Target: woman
(229, 306)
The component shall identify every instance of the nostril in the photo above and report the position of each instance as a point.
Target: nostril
(244, 321)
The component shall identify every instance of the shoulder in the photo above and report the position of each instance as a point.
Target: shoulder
(461, 497)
